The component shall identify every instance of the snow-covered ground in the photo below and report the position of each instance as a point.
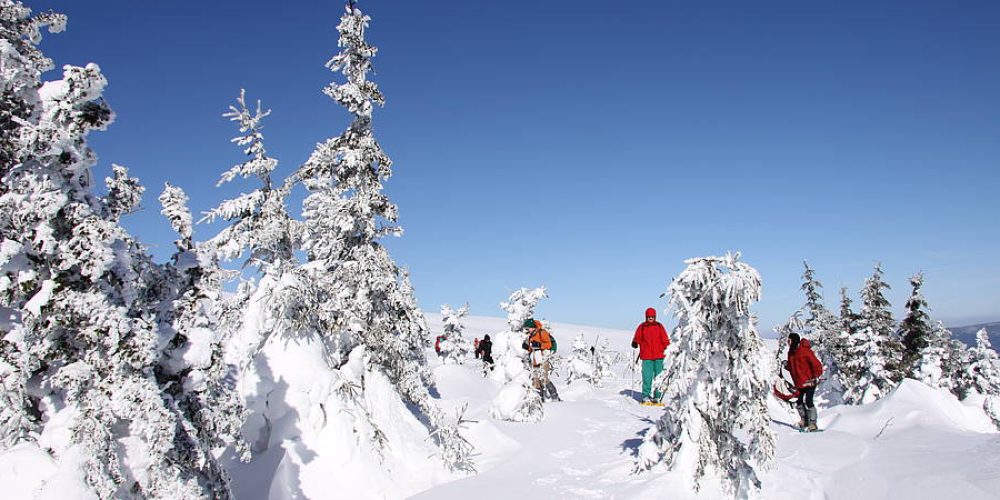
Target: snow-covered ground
(915, 443)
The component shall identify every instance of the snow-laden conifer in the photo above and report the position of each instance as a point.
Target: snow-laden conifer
(77, 292)
(982, 375)
(454, 347)
(926, 344)
(260, 226)
(872, 353)
(590, 362)
(847, 321)
(915, 328)
(349, 292)
(192, 371)
(715, 382)
(953, 365)
(518, 400)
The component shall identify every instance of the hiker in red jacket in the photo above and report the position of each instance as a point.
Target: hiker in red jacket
(805, 370)
(651, 339)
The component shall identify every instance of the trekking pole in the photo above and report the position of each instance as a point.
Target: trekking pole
(632, 365)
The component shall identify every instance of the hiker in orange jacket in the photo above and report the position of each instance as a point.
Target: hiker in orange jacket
(652, 340)
(539, 347)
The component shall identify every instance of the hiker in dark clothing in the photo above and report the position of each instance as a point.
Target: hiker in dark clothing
(805, 370)
(485, 351)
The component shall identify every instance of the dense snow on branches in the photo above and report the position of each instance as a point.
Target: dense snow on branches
(714, 382)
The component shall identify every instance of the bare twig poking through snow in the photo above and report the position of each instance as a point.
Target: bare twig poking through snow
(884, 427)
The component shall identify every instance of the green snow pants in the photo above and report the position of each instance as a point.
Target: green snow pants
(650, 369)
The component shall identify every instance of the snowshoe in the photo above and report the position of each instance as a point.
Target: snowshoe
(549, 392)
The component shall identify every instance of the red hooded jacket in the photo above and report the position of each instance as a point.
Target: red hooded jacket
(803, 365)
(651, 337)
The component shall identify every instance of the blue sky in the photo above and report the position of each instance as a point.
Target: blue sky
(593, 146)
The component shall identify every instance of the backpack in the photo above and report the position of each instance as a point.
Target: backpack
(552, 338)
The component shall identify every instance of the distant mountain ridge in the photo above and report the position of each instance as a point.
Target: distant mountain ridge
(967, 334)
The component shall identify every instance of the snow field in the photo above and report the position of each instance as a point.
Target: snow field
(917, 442)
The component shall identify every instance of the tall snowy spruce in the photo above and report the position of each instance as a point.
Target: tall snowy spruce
(79, 297)
(454, 347)
(261, 234)
(716, 381)
(926, 344)
(348, 308)
(872, 352)
(517, 401)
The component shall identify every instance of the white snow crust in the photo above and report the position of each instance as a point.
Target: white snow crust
(916, 442)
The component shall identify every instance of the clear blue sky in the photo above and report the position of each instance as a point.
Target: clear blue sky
(593, 146)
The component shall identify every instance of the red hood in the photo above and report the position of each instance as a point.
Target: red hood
(650, 312)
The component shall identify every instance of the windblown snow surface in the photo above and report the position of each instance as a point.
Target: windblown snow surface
(916, 443)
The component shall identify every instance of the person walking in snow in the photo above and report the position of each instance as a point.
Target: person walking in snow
(539, 347)
(437, 345)
(484, 350)
(805, 369)
(651, 339)
(475, 346)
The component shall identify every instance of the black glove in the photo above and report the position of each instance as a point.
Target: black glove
(635, 345)
(524, 345)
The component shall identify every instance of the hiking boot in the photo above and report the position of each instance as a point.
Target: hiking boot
(811, 420)
(803, 418)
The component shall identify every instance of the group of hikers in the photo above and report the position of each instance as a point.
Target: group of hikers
(652, 340)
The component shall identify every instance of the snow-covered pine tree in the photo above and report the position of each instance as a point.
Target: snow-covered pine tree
(872, 354)
(590, 362)
(717, 382)
(192, 371)
(517, 401)
(876, 314)
(454, 347)
(847, 326)
(847, 322)
(357, 297)
(262, 232)
(75, 292)
(925, 344)
(953, 366)
(915, 328)
(260, 226)
(982, 375)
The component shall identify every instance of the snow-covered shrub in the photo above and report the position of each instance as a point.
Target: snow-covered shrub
(454, 347)
(715, 382)
(590, 362)
(517, 400)
(982, 375)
